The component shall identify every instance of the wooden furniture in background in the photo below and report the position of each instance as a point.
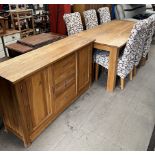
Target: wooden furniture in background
(32, 42)
(83, 7)
(39, 40)
(111, 36)
(17, 49)
(3, 25)
(24, 16)
(39, 85)
(9, 37)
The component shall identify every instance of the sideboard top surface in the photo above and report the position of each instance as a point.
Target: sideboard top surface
(22, 66)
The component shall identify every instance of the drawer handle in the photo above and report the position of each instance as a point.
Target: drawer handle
(13, 37)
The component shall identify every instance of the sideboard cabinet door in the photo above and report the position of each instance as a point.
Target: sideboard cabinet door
(35, 94)
(84, 67)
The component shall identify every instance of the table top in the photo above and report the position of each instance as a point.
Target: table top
(114, 33)
(22, 66)
(19, 47)
(36, 41)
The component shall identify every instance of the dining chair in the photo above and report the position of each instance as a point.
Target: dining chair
(104, 15)
(150, 33)
(73, 23)
(142, 28)
(90, 18)
(125, 62)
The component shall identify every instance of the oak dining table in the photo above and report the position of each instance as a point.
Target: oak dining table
(111, 37)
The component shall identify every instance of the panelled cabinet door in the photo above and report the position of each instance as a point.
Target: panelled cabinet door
(64, 82)
(36, 96)
(84, 67)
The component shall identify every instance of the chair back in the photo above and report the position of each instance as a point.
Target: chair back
(133, 45)
(104, 15)
(150, 33)
(142, 28)
(90, 18)
(73, 23)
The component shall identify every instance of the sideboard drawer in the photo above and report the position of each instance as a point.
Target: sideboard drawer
(62, 86)
(64, 68)
(12, 37)
(65, 98)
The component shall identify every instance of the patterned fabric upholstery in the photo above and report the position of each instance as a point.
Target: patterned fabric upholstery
(142, 28)
(90, 18)
(150, 33)
(126, 61)
(104, 14)
(73, 23)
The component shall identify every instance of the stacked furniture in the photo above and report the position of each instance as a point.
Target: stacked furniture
(23, 21)
(32, 42)
(10, 37)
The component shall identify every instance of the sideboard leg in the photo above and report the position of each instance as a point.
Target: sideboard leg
(5, 130)
(27, 144)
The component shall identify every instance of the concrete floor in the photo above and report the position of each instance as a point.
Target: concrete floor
(2, 54)
(98, 120)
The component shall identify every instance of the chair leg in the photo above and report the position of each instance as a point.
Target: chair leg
(134, 71)
(122, 82)
(143, 61)
(131, 75)
(96, 71)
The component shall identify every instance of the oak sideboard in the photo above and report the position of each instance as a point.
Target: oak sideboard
(37, 86)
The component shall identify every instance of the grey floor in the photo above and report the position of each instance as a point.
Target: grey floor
(98, 120)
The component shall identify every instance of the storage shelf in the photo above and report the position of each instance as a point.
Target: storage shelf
(23, 17)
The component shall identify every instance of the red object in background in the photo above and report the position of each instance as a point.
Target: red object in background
(56, 12)
(1, 7)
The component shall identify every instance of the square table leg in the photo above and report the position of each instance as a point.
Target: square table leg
(113, 58)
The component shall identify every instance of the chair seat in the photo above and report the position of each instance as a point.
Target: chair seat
(102, 58)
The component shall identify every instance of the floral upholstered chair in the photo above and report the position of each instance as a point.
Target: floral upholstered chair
(125, 62)
(104, 15)
(90, 18)
(142, 28)
(150, 33)
(73, 23)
